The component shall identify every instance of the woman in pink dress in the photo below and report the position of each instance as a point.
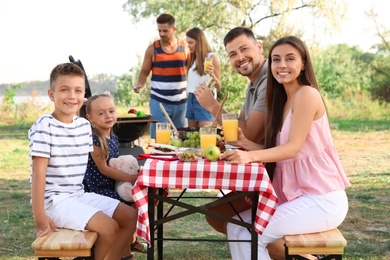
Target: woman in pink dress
(299, 153)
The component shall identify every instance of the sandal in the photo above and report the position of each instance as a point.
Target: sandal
(128, 257)
(144, 249)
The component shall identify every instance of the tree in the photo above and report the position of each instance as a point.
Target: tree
(269, 19)
(380, 63)
(125, 95)
(8, 100)
(342, 71)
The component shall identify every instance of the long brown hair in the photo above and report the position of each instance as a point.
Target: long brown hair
(276, 96)
(201, 50)
(101, 138)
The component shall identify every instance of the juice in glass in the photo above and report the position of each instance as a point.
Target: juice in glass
(163, 133)
(207, 140)
(207, 62)
(230, 127)
(208, 137)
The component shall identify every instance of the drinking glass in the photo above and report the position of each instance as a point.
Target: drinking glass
(230, 127)
(207, 62)
(163, 133)
(208, 137)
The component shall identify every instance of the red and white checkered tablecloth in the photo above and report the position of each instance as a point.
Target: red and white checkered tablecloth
(204, 174)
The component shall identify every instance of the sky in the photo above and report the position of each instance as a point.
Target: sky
(37, 35)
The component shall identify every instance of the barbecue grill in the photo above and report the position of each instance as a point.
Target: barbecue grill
(128, 129)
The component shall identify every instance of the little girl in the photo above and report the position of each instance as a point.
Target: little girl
(99, 177)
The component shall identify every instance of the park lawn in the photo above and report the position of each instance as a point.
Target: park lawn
(365, 157)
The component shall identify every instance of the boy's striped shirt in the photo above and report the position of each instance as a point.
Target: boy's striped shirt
(67, 146)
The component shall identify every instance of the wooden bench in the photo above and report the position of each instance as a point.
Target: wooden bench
(64, 243)
(329, 243)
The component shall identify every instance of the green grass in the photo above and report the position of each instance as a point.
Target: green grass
(363, 142)
(366, 227)
(360, 125)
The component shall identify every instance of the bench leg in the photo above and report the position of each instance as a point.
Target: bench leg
(329, 257)
(288, 257)
(92, 257)
(321, 257)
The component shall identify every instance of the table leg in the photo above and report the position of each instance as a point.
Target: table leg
(157, 223)
(254, 235)
(160, 227)
(151, 192)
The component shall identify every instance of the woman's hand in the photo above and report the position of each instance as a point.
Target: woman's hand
(210, 70)
(237, 156)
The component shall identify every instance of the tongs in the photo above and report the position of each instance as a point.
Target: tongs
(210, 83)
(219, 110)
(175, 133)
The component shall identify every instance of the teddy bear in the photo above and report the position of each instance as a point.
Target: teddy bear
(129, 165)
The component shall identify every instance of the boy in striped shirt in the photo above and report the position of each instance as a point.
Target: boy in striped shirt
(59, 146)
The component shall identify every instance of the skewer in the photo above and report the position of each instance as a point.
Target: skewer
(219, 110)
(169, 120)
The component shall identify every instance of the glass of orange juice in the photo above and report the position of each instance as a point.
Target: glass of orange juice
(230, 127)
(207, 62)
(163, 133)
(208, 137)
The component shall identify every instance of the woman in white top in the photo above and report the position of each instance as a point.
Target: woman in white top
(200, 49)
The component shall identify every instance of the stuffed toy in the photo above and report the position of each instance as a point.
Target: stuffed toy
(129, 165)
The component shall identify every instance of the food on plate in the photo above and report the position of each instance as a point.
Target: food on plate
(161, 148)
(221, 145)
(137, 113)
(190, 138)
(132, 111)
(140, 113)
(176, 143)
(188, 154)
(212, 153)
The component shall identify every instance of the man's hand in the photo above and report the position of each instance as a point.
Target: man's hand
(136, 89)
(205, 97)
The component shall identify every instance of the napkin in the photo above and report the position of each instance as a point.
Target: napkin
(165, 157)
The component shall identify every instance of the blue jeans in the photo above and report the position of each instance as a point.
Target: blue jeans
(176, 112)
(195, 111)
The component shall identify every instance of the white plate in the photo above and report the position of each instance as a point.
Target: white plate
(154, 151)
(228, 146)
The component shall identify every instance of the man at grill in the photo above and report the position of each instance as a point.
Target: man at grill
(167, 59)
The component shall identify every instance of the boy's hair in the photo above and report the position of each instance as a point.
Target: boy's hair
(238, 31)
(166, 18)
(65, 69)
(101, 138)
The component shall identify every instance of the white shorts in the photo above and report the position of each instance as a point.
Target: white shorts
(74, 212)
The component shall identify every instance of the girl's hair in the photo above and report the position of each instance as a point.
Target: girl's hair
(202, 49)
(276, 96)
(101, 138)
